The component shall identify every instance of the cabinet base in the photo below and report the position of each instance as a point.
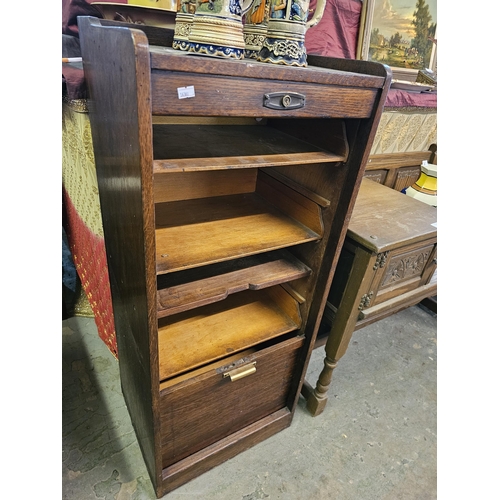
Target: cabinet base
(201, 462)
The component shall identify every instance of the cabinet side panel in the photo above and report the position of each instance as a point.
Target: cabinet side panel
(344, 184)
(116, 64)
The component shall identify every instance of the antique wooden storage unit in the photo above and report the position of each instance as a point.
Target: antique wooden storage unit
(225, 190)
(388, 263)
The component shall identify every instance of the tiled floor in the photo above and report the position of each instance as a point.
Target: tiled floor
(375, 440)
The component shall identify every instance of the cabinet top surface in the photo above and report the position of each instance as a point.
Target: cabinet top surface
(384, 219)
(166, 58)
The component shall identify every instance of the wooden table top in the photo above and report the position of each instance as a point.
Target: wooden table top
(384, 219)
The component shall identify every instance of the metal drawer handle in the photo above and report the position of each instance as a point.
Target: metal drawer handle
(241, 372)
(284, 100)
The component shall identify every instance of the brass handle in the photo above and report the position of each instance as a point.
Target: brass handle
(241, 372)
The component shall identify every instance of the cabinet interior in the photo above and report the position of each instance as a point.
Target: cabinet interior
(193, 338)
(226, 223)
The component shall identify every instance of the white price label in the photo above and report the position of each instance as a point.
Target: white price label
(185, 92)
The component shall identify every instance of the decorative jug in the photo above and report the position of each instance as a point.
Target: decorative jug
(217, 28)
(183, 23)
(284, 43)
(255, 27)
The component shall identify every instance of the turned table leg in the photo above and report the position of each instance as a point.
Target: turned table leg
(357, 287)
(317, 397)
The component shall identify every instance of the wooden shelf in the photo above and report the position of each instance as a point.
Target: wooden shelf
(182, 148)
(194, 338)
(195, 288)
(197, 232)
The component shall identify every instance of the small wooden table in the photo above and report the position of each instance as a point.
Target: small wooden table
(388, 262)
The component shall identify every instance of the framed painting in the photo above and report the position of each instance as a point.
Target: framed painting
(399, 33)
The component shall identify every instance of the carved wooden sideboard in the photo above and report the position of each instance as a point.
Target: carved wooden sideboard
(388, 262)
(398, 170)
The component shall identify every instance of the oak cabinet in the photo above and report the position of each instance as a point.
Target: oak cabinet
(225, 189)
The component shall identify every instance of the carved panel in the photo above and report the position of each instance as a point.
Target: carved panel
(406, 176)
(406, 266)
(365, 301)
(376, 175)
(381, 260)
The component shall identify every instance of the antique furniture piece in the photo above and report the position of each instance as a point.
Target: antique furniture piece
(388, 262)
(398, 170)
(225, 188)
(406, 129)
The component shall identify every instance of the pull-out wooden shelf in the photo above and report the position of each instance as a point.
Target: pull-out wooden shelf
(186, 290)
(181, 148)
(192, 233)
(194, 338)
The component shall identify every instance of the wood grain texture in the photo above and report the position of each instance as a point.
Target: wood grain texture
(299, 188)
(224, 449)
(191, 339)
(235, 360)
(322, 70)
(396, 304)
(397, 170)
(370, 285)
(227, 96)
(191, 233)
(346, 181)
(224, 410)
(379, 176)
(194, 184)
(120, 117)
(397, 160)
(328, 135)
(179, 148)
(251, 273)
(405, 177)
(383, 217)
(291, 202)
(407, 263)
(240, 162)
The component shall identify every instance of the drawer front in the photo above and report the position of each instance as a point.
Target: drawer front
(406, 269)
(198, 411)
(225, 96)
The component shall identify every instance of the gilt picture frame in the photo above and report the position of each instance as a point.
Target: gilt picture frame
(401, 34)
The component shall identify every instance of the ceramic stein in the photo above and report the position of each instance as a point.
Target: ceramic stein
(286, 30)
(255, 27)
(217, 28)
(183, 23)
